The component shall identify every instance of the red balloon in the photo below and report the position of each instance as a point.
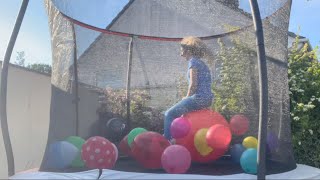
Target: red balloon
(219, 137)
(98, 152)
(202, 119)
(124, 146)
(239, 124)
(147, 149)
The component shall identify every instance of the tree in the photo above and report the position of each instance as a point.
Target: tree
(20, 59)
(44, 68)
(304, 83)
(40, 67)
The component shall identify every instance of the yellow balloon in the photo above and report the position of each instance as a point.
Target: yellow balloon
(200, 142)
(250, 142)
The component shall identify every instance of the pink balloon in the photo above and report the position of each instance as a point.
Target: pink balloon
(239, 124)
(180, 127)
(176, 159)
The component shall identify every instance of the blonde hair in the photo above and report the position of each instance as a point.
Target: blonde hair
(197, 48)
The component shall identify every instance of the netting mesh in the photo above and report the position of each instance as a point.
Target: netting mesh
(158, 73)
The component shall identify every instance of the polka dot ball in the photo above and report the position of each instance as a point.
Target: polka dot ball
(98, 153)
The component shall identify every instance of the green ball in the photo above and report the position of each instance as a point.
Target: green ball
(133, 133)
(78, 142)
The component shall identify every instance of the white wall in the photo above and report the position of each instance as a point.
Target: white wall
(28, 107)
(28, 111)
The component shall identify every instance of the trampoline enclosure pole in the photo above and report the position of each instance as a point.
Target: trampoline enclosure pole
(263, 86)
(4, 84)
(76, 81)
(129, 83)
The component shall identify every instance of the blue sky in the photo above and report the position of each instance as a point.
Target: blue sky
(34, 37)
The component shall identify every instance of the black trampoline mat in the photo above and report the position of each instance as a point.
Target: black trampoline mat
(222, 166)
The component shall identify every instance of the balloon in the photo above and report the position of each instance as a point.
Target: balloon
(115, 129)
(219, 136)
(239, 124)
(124, 146)
(176, 159)
(133, 133)
(202, 119)
(147, 149)
(200, 142)
(60, 155)
(116, 151)
(98, 152)
(248, 161)
(78, 142)
(236, 151)
(180, 127)
(250, 142)
(272, 141)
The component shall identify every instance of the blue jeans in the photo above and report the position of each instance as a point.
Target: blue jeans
(186, 105)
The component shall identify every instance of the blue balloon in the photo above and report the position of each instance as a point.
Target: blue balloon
(60, 155)
(248, 161)
(236, 152)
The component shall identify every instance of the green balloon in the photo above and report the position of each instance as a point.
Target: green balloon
(133, 133)
(78, 142)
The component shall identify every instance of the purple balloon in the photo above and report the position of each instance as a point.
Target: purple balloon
(180, 127)
(272, 141)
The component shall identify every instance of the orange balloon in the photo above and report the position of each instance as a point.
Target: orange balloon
(202, 119)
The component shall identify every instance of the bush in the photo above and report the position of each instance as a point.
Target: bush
(114, 104)
(304, 82)
(235, 89)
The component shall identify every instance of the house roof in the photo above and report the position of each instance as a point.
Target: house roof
(131, 2)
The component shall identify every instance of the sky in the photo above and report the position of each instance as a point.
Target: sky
(34, 36)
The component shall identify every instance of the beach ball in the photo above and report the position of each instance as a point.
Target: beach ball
(133, 133)
(180, 127)
(200, 142)
(60, 155)
(236, 151)
(250, 142)
(176, 159)
(77, 142)
(239, 124)
(248, 161)
(147, 149)
(219, 136)
(98, 153)
(200, 119)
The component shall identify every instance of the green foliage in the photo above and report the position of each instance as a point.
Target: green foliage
(304, 82)
(232, 91)
(114, 104)
(40, 67)
(44, 68)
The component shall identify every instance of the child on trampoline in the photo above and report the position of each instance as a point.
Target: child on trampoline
(199, 94)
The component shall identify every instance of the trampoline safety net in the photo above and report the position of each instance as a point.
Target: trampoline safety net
(117, 67)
